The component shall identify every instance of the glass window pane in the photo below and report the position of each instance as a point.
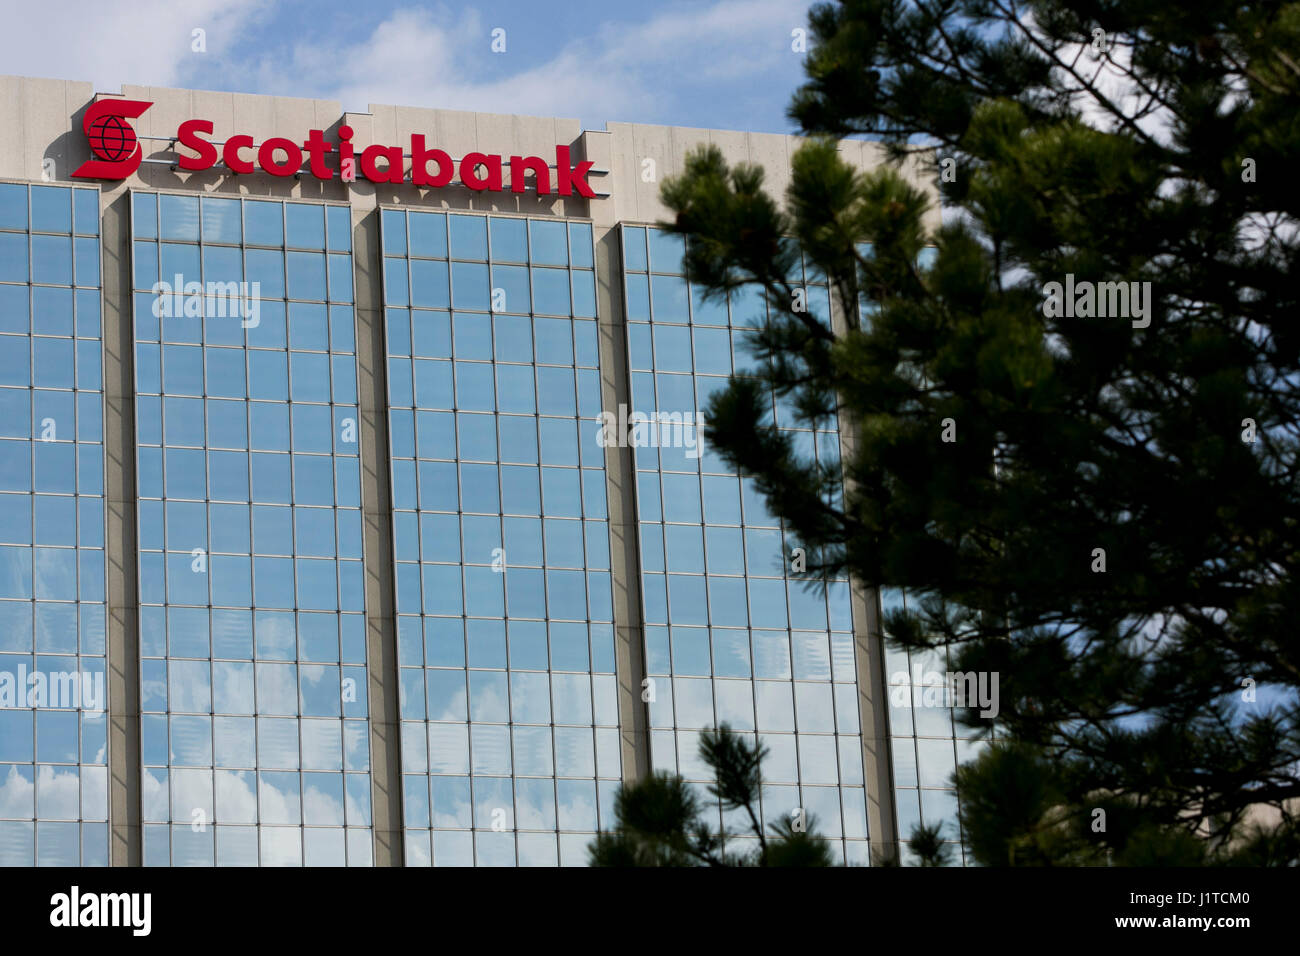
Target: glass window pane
(179, 216)
(470, 286)
(306, 274)
(428, 283)
(304, 225)
(549, 242)
(666, 251)
(51, 209)
(13, 206)
(580, 248)
(263, 223)
(551, 291)
(468, 237)
(428, 234)
(222, 220)
(509, 239)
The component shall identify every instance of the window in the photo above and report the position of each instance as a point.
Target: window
(252, 628)
(501, 539)
(53, 742)
(731, 635)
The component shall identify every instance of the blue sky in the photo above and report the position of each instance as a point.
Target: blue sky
(727, 64)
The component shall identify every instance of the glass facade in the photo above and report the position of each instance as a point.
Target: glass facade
(254, 733)
(53, 728)
(731, 635)
(509, 711)
(927, 742)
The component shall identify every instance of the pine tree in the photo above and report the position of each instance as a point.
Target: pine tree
(1112, 523)
(661, 820)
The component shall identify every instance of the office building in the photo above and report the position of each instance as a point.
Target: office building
(306, 486)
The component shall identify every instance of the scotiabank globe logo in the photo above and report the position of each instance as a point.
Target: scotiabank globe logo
(112, 138)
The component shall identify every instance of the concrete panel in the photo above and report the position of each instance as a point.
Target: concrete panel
(125, 810)
(620, 485)
(458, 133)
(381, 628)
(597, 146)
(219, 108)
(256, 116)
(872, 680)
(12, 146)
(656, 143)
(734, 144)
(48, 136)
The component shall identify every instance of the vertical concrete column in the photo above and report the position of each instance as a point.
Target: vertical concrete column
(376, 504)
(620, 469)
(873, 684)
(873, 698)
(620, 484)
(124, 807)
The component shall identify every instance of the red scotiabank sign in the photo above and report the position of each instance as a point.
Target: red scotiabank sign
(113, 141)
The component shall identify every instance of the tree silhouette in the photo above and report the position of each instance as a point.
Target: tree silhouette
(1073, 432)
(661, 818)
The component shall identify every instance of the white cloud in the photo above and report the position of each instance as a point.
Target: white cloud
(17, 793)
(191, 795)
(646, 71)
(100, 42)
(236, 796)
(319, 806)
(1107, 73)
(422, 56)
(59, 791)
